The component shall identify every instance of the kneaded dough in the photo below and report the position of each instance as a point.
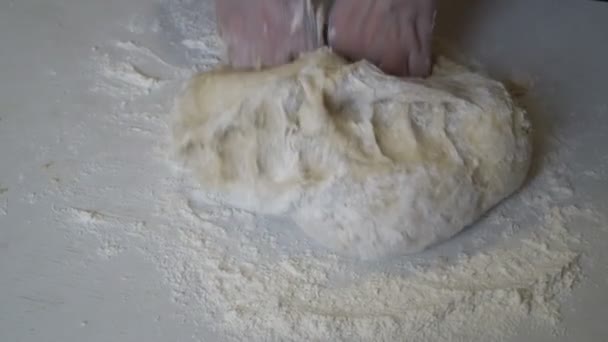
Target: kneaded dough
(366, 164)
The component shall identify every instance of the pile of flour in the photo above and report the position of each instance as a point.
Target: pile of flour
(234, 281)
(253, 278)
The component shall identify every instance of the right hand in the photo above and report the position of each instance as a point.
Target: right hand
(395, 35)
(263, 33)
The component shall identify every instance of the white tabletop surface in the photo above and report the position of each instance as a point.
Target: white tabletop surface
(52, 288)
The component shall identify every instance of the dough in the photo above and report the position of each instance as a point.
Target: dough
(367, 164)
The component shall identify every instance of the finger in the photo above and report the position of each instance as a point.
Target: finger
(345, 24)
(368, 25)
(289, 32)
(395, 59)
(394, 62)
(378, 35)
(420, 60)
(419, 57)
(388, 51)
(270, 43)
(410, 44)
(427, 8)
(225, 13)
(302, 35)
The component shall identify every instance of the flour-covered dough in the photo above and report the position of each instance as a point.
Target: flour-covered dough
(367, 164)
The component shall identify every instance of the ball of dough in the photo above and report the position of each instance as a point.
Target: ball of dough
(367, 164)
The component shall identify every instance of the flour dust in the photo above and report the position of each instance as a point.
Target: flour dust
(252, 278)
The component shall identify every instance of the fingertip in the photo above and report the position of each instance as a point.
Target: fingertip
(395, 65)
(420, 59)
(419, 65)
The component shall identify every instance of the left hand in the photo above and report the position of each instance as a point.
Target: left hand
(264, 33)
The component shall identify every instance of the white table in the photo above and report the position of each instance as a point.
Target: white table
(52, 288)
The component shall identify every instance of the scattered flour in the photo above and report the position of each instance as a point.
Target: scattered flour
(130, 70)
(3, 201)
(239, 275)
(124, 78)
(3, 207)
(136, 53)
(482, 296)
(227, 270)
(140, 24)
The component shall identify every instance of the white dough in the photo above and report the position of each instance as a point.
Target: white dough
(367, 164)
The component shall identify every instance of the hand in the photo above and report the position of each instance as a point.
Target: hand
(395, 35)
(261, 33)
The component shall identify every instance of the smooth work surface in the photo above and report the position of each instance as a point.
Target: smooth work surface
(55, 286)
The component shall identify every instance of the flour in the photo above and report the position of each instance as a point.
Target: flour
(130, 70)
(125, 78)
(3, 207)
(204, 45)
(252, 278)
(3, 201)
(140, 24)
(233, 280)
